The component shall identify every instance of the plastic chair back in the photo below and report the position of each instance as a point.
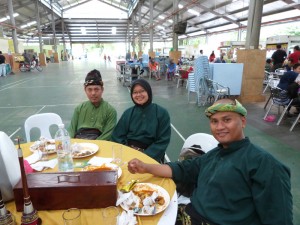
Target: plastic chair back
(206, 141)
(43, 122)
(10, 172)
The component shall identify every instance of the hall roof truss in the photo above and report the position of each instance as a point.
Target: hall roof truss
(202, 17)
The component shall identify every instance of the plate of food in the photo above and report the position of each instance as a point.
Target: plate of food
(146, 199)
(39, 145)
(81, 150)
(104, 167)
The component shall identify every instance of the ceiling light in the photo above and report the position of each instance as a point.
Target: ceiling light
(194, 12)
(160, 27)
(83, 30)
(7, 17)
(113, 30)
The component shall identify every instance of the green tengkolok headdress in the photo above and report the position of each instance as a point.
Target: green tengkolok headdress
(226, 107)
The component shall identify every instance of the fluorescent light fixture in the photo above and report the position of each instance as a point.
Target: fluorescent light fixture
(83, 30)
(161, 17)
(31, 23)
(160, 27)
(180, 6)
(28, 24)
(197, 33)
(113, 30)
(7, 17)
(182, 36)
(194, 12)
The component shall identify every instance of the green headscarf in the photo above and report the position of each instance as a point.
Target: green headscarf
(226, 107)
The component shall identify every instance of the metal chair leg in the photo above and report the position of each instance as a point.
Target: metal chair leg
(282, 115)
(268, 111)
(267, 102)
(295, 122)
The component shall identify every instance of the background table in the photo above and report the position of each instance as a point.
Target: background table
(94, 216)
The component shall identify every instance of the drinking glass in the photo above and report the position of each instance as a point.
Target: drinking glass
(117, 154)
(72, 216)
(110, 215)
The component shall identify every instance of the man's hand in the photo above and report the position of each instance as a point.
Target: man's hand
(136, 166)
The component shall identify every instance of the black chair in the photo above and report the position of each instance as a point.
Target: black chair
(280, 99)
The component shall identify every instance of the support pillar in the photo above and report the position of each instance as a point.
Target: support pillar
(13, 23)
(151, 27)
(175, 22)
(254, 24)
(140, 29)
(252, 83)
(38, 23)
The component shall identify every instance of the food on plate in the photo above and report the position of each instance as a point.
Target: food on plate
(44, 144)
(148, 199)
(82, 153)
(80, 150)
(103, 167)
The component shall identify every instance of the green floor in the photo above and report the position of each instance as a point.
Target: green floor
(59, 88)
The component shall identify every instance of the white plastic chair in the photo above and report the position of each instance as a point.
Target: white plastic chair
(206, 141)
(43, 122)
(10, 172)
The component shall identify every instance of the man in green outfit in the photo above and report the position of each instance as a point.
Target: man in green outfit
(236, 182)
(96, 118)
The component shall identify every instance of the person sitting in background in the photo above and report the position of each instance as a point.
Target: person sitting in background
(146, 125)
(154, 68)
(235, 183)
(171, 69)
(269, 65)
(288, 84)
(289, 77)
(96, 118)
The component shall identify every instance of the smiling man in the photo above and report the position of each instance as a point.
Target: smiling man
(145, 126)
(96, 118)
(237, 182)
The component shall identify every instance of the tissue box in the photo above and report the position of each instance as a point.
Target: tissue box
(83, 190)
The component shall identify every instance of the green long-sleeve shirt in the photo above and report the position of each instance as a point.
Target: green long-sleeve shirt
(149, 125)
(240, 185)
(86, 115)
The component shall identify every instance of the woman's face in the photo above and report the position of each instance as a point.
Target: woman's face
(139, 95)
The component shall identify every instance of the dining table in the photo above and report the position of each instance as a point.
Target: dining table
(94, 216)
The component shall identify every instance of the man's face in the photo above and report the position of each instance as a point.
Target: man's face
(94, 93)
(227, 127)
(297, 70)
(139, 95)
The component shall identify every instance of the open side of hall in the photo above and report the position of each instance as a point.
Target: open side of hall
(59, 88)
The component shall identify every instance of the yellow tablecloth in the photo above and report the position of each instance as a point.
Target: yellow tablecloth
(94, 216)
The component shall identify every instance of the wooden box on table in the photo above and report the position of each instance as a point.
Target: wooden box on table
(83, 190)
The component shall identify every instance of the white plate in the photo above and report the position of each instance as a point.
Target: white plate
(84, 150)
(161, 192)
(110, 165)
(50, 146)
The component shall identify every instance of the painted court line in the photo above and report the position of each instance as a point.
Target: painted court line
(17, 84)
(14, 132)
